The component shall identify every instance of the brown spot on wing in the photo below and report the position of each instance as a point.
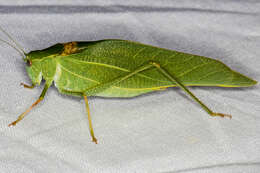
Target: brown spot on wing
(69, 48)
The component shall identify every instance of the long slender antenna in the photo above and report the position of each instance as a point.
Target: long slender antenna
(9, 36)
(18, 50)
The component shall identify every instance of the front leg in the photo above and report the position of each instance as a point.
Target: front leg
(33, 105)
(28, 86)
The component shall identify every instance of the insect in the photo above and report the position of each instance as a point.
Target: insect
(120, 68)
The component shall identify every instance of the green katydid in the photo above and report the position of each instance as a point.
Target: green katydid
(120, 68)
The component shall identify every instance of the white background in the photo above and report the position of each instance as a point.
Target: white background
(164, 132)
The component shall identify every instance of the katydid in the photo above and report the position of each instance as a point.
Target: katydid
(121, 68)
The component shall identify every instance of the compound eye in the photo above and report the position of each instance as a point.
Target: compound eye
(28, 62)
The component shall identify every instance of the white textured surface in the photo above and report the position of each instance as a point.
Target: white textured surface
(159, 132)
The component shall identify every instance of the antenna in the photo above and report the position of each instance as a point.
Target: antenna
(9, 36)
(18, 50)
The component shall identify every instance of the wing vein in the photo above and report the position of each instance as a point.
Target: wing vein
(139, 51)
(115, 67)
(209, 74)
(80, 76)
(190, 70)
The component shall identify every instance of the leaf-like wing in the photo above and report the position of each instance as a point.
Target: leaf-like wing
(102, 61)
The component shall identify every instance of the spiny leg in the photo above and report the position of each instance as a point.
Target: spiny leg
(30, 108)
(28, 86)
(178, 83)
(89, 120)
(103, 86)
